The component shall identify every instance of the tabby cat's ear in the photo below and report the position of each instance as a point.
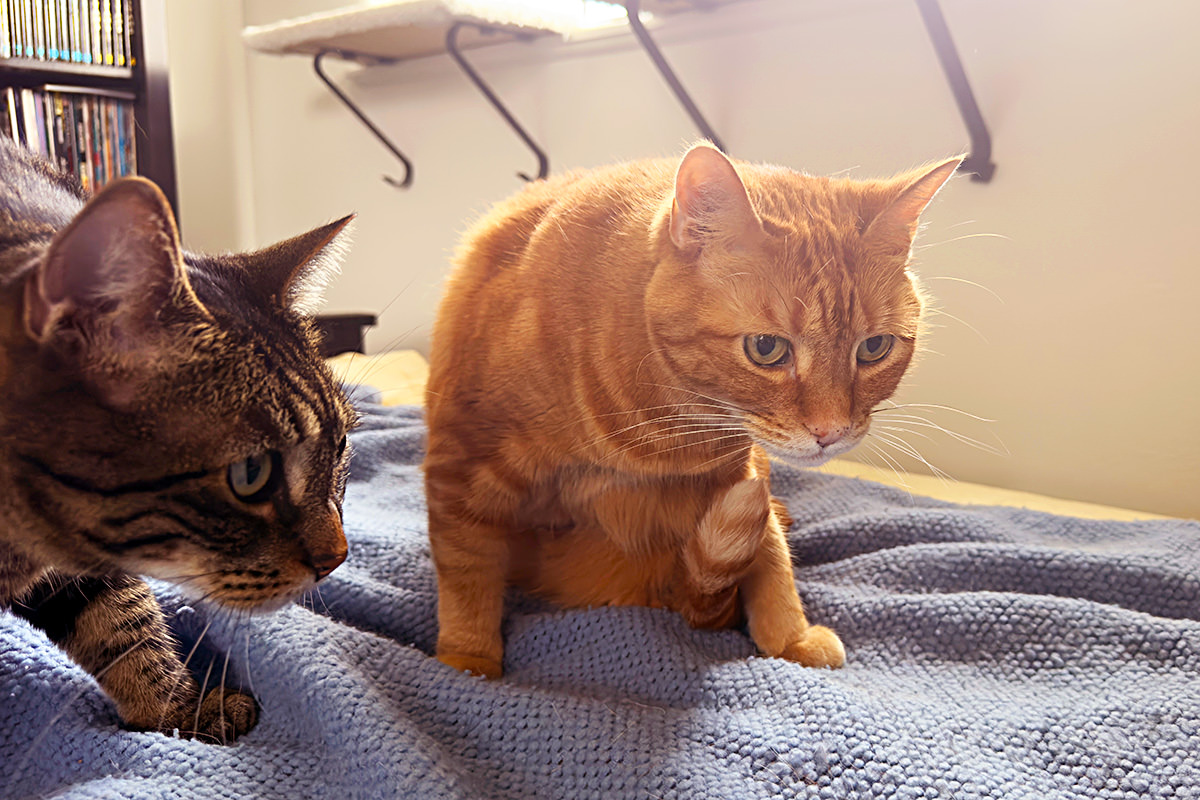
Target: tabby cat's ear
(108, 273)
(294, 273)
(711, 205)
(896, 225)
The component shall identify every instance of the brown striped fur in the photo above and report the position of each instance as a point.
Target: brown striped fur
(598, 431)
(162, 414)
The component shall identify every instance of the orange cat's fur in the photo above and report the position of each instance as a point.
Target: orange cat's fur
(618, 352)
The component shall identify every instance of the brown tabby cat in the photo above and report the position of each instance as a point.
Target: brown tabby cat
(617, 354)
(161, 414)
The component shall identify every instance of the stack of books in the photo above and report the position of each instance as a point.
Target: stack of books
(78, 31)
(88, 135)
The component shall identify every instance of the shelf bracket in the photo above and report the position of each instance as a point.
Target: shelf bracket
(406, 181)
(979, 162)
(456, 53)
(632, 7)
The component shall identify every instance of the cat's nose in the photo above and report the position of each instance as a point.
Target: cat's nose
(324, 563)
(826, 433)
(325, 545)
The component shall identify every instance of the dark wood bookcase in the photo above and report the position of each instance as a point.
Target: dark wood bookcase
(145, 79)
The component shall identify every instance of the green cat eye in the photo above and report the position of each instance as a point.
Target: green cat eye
(874, 348)
(767, 350)
(253, 478)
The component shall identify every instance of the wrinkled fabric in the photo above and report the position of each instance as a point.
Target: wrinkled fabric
(992, 653)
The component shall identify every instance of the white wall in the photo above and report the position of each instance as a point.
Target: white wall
(1068, 284)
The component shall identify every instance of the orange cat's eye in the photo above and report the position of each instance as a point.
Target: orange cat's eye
(874, 348)
(767, 350)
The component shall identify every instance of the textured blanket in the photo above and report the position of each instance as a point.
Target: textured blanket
(993, 652)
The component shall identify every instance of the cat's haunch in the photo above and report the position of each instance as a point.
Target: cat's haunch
(617, 354)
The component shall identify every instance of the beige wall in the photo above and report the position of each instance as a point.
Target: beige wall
(1066, 288)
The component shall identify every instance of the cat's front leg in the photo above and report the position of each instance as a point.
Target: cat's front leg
(774, 613)
(725, 545)
(113, 627)
(471, 560)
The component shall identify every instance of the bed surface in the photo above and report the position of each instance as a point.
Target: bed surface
(993, 652)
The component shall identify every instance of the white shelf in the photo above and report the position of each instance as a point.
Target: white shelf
(374, 31)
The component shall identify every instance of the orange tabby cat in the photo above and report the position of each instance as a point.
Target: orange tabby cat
(617, 354)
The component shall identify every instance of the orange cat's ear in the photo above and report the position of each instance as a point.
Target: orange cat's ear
(710, 204)
(897, 223)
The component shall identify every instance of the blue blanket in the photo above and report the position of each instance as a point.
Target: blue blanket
(993, 652)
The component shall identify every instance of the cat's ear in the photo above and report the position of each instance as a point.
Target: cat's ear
(294, 273)
(710, 204)
(896, 224)
(108, 273)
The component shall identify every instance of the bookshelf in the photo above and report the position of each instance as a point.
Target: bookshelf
(117, 71)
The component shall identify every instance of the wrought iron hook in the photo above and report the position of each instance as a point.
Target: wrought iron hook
(456, 53)
(979, 162)
(362, 117)
(632, 7)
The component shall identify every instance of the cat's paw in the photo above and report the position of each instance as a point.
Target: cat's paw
(472, 665)
(223, 716)
(819, 647)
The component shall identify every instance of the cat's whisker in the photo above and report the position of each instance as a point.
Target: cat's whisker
(901, 429)
(907, 449)
(203, 691)
(899, 406)
(672, 431)
(710, 441)
(221, 703)
(957, 279)
(900, 474)
(666, 423)
(395, 297)
(914, 421)
(962, 238)
(183, 674)
(959, 320)
(892, 463)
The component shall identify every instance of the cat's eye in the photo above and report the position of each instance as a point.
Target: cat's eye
(767, 350)
(874, 348)
(253, 478)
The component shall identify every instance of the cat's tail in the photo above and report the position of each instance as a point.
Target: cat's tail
(722, 551)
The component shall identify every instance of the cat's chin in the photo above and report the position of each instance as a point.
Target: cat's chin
(794, 459)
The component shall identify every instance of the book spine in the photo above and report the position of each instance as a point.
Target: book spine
(27, 28)
(60, 135)
(5, 122)
(70, 148)
(106, 32)
(95, 29)
(5, 31)
(120, 52)
(81, 146)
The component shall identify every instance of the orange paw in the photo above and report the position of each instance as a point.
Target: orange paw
(472, 665)
(820, 647)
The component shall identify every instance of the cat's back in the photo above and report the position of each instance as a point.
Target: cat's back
(583, 208)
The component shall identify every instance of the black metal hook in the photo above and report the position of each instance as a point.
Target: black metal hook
(362, 117)
(632, 7)
(456, 53)
(979, 162)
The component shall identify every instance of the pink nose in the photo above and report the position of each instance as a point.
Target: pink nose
(826, 433)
